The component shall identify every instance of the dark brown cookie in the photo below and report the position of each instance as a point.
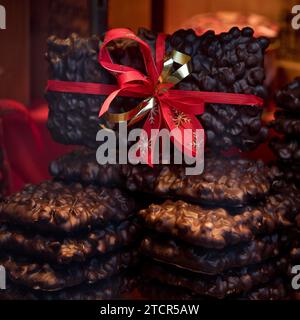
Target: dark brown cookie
(286, 123)
(295, 253)
(218, 228)
(45, 277)
(287, 150)
(106, 289)
(274, 290)
(288, 98)
(229, 181)
(230, 62)
(232, 282)
(295, 245)
(290, 173)
(59, 207)
(63, 250)
(210, 261)
(81, 166)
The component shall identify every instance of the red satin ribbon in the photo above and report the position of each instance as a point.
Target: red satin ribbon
(133, 83)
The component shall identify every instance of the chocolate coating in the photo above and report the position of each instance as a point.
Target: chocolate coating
(289, 174)
(69, 249)
(288, 98)
(81, 166)
(287, 150)
(229, 62)
(73, 118)
(45, 277)
(275, 290)
(210, 261)
(286, 123)
(295, 253)
(218, 228)
(228, 181)
(233, 282)
(58, 207)
(106, 289)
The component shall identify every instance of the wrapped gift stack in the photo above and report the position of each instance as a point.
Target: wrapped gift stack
(230, 62)
(287, 147)
(222, 234)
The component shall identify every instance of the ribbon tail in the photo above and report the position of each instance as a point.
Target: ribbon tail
(151, 129)
(186, 130)
(108, 101)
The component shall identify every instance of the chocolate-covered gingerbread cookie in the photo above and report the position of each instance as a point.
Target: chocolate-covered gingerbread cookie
(45, 277)
(232, 182)
(287, 123)
(106, 289)
(232, 282)
(286, 149)
(274, 290)
(58, 207)
(217, 227)
(229, 182)
(81, 166)
(288, 98)
(210, 261)
(290, 176)
(64, 250)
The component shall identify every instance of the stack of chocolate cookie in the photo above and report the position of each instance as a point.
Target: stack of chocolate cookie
(287, 150)
(229, 240)
(221, 234)
(67, 241)
(231, 245)
(287, 122)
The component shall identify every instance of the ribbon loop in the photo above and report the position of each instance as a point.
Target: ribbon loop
(117, 34)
